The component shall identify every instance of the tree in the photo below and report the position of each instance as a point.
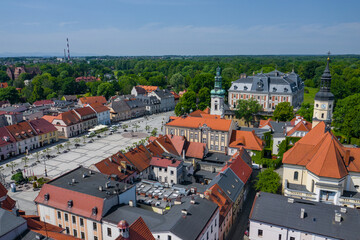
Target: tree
(4, 77)
(37, 156)
(106, 89)
(124, 126)
(11, 165)
(177, 81)
(284, 111)
(186, 104)
(68, 144)
(25, 161)
(204, 98)
(136, 126)
(247, 109)
(268, 181)
(306, 111)
(147, 128)
(154, 132)
(77, 141)
(10, 94)
(346, 116)
(59, 147)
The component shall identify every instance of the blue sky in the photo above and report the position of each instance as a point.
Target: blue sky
(184, 27)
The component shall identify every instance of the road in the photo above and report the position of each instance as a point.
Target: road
(238, 229)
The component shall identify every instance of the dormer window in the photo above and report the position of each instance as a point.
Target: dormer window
(285, 89)
(245, 88)
(94, 210)
(47, 197)
(235, 87)
(274, 89)
(70, 203)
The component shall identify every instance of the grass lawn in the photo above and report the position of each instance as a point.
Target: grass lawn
(309, 97)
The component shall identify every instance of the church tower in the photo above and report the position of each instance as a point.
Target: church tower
(217, 96)
(324, 99)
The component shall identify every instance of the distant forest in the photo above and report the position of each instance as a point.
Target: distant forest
(119, 74)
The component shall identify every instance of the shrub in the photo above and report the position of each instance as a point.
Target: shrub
(34, 185)
(18, 177)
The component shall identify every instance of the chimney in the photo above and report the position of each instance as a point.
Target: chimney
(337, 217)
(15, 211)
(183, 154)
(290, 200)
(100, 188)
(343, 210)
(73, 180)
(347, 157)
(107, 184)
(192, 201)
(90, 172)
(184, 213)
(131, 203)
(84, 175)
(302, 213)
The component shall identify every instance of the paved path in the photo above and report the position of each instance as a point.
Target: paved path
(85, 155)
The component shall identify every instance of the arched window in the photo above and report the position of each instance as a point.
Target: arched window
(296, 175)
(312, 185)
(322, 115)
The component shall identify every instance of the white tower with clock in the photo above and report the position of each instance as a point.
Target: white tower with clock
(324, 99)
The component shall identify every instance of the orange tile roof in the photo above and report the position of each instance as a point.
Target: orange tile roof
(264, 123)
(112, 166)
(138, 230)
(3, 85)
(164, 162)
(82, 203)
(21, 131)
(148, 89)
(176, 96)
(98, 107)
(246, 139)
(69, 118)
(217, 195)
(8, 203)
(178, 142)
(139, 157)
(322, 154)
(195, 150)
(196, 113)
(172, 144)
(196, 122)
(300, 126)
(49, 118)
(85, 111)
(91, 100)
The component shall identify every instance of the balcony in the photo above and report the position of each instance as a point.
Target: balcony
(298, 191)
(350, 199)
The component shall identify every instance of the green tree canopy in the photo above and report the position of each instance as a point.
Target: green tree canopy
(284, 111)
(186, 104)
(106, 89)
(268, 181)
(4, 77)
(306, 111)
(177, 81)
(10, 94)
(204, 98)
(247, 109)
(347, 116)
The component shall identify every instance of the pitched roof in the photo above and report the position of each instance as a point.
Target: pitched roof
(148, 89)
(246, 139)
(176, 96)
(87, 79)
(6, 202)
(9, 222)
(239, 166)
(42, 126)
(264, 123)
(3, 85)
(85, 111)
(321, 153)
(6, 137)
(140, 157)
(49, 118)
(69, 118)
(21, 131)
(98, 107)
(196, 122)
(217, 195)
(95, 99)
(299, 125)
(138, 230)
(116, 165)
(163, 162)
(167, 143)
(195, 150)
(43, 102)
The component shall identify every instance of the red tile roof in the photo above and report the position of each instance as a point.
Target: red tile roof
(246, 139)
(322, 154)
(87, 79)
(99, 107)
(239, 166)
(176, 96)
(85, 111)
(6, 202)
(3, 85)
(264, 123)
(302, 126)
(42, 126)
(43, 102)
(21, 131)
(195, 150)
(82, 203)
(69, 118)
(167, 143)
(138, 230)
(6, 137)
(196, 122)
(163, 162)
(139, 157)
(91, 100)
(116, 165)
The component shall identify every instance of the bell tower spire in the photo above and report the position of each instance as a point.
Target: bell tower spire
(324, 99)
(217, 95)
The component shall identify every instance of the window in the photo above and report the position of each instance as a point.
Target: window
(182, 133)
(292, 238)
(211, 228)
(94, 226)
(160, 169)
(222, 138)
(59, 214)
(172, 172)
(81, 222)
(74, 219)
(82, 235)
(211, 147)
(296, 175)
(67, 230)
(191, 135)
(196, 135)
(222, 148)
(322, 115)
(216, 147)
(204, 140)
(169, 237)
(260, 232)
(66, 217)
(279, 236)
(216, 138)
(215, 222)
(109, 232)
(95, 238)
(75, 233)
(60, 226)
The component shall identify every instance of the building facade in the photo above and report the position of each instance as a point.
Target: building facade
(269, 89)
